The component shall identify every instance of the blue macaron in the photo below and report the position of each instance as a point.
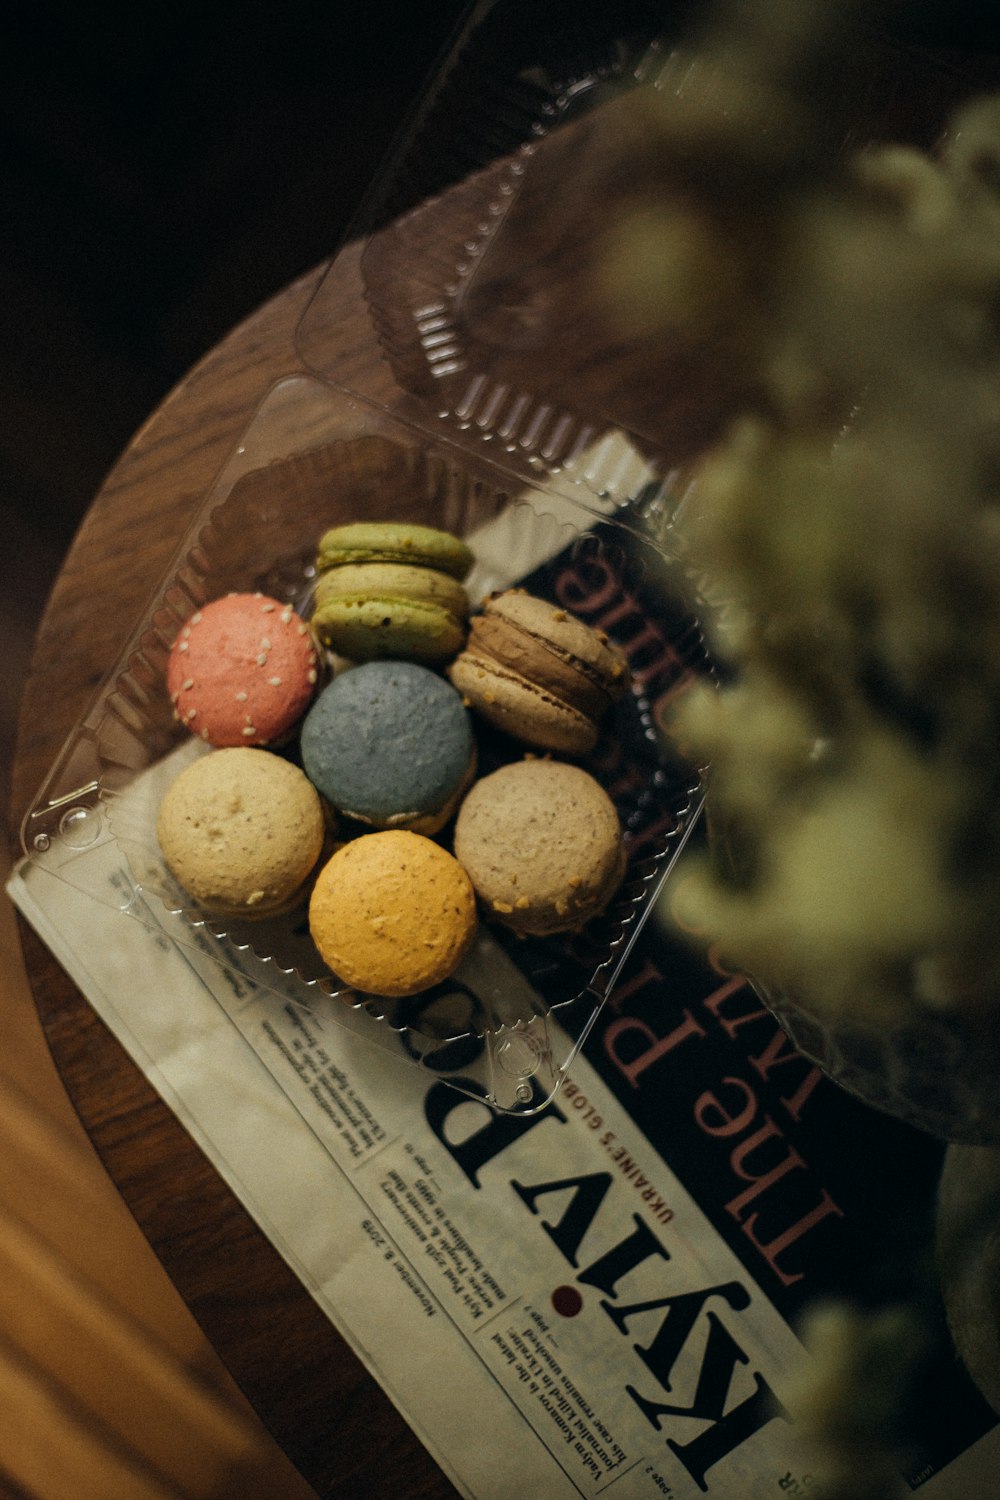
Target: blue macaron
(391, 744)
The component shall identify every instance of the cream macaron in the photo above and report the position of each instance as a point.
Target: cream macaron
(242, 831)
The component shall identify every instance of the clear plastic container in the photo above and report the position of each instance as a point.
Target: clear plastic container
(311, 457)
(483, 293)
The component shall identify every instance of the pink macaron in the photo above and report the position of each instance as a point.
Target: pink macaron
(242, 671)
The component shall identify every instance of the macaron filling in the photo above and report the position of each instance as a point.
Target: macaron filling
(538, 673)
(540, 662)
(399, 542)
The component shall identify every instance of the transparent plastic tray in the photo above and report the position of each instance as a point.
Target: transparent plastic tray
(312, 457)
(483, 296)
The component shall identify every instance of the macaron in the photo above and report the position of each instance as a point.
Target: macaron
(390, 743)
(242, 830)
(242, 671)
(542, 845)
(395, 542)
(392, 913)
(538, 673)
(367, 611)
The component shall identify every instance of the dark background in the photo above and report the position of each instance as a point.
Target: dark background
(163, 169)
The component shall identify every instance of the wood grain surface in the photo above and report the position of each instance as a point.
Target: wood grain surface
(316, 1398)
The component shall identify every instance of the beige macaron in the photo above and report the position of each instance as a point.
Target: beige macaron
(542, 845)
(242, 830)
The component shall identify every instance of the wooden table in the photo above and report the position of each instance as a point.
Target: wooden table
(308, 1387)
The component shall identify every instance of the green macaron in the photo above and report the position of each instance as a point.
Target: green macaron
(394, 542)
(380, 610)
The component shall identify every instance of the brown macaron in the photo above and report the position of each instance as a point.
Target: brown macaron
(542, 845)
(538, 673)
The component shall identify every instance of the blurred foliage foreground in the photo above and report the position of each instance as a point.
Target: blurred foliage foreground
(844, 533)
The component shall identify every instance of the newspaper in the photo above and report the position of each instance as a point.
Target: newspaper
(543, 1297)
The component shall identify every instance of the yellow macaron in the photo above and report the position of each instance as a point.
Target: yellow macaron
(392, 913)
